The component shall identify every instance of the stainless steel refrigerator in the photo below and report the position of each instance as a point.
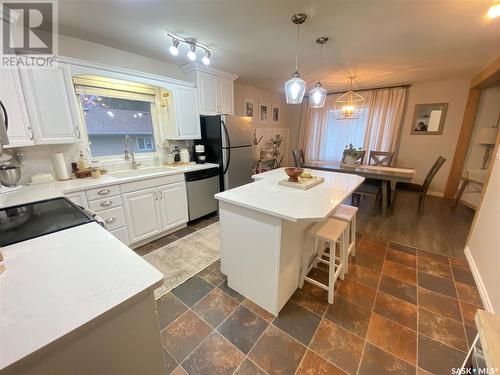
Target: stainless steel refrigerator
(228, 142)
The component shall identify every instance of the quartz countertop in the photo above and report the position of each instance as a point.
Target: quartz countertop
(54, 284)
(32, 193)
(488, 328)
(267, 196)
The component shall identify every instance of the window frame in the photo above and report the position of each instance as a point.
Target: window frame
(127, 95)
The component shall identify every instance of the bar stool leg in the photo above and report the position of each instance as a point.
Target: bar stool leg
(353, 234)
(346, 236)
(331, 273)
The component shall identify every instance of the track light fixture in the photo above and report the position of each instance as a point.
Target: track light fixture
(193, 46)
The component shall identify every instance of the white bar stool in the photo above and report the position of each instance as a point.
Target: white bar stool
(348, 214)
(331, 231)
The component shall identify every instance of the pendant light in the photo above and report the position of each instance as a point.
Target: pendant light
(295, 87)
(317, 95)
(494, 10)
(348, 106)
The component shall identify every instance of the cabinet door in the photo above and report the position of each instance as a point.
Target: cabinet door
(142, 214)
(207, 94)
(11, 94)
(78, 198)
(225, 96)
(53, 104)
(173, 205)
(187, 119)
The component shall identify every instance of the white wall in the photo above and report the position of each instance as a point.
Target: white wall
(487, 117)
(421, 151)
(484, 241)
(81, 49)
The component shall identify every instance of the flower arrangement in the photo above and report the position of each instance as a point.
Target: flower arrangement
(352, 154)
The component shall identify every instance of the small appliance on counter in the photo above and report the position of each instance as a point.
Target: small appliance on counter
(199, 154)
(185, 157)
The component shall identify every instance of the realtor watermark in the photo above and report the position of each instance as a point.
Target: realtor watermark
(29, 33)
(474, 371)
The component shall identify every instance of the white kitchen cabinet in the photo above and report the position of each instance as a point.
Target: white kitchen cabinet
(173, 205)
(78, 198)
(51, 104)
(215, 89)
(186, 124)
(11, 94)
(207, 94)
(142, 213)
(225, 96)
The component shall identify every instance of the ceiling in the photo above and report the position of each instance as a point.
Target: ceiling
(383, 42)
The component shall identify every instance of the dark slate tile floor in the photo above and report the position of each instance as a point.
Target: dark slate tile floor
(407, 312)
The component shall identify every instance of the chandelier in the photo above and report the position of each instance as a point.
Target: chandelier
(295, 87)
(348, 105)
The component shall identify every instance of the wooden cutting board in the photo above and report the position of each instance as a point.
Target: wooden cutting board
(303, 183)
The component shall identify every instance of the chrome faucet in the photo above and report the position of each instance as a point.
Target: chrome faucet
(129, 155)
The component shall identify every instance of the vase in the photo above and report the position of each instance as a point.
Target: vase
(350, 160)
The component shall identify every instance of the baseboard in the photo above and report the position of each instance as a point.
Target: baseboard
(435, 193)
(479, 281)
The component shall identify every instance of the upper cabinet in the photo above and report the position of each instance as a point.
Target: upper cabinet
(215, 89)
(184, 122)
(51, 103)
(20, 131)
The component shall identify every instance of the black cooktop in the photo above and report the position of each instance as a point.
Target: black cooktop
(23, 222)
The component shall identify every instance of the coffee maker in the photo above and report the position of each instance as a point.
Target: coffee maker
(199, 154)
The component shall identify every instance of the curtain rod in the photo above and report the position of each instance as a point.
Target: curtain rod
(373, 88)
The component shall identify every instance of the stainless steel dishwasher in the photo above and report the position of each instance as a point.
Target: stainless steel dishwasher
(201, 187)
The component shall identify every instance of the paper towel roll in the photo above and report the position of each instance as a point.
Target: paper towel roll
(59, 165)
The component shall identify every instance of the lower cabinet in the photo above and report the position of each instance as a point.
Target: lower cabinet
(173, 205)
(155, 210)
(143, 214)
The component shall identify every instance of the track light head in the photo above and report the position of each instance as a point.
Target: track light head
(206, 59)
(174, 48)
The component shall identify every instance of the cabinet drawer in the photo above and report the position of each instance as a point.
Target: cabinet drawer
(151, 183)
(113, 218)
(105, 203)
(121, 234)
(103, 192)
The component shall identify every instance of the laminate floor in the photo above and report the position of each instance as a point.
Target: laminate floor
(440, 229)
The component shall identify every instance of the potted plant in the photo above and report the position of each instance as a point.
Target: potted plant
(352, 155)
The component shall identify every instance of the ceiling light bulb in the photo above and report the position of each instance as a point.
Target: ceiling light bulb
(317, 96)
(174, 48)
(494, 10)
(192, 54)
(295, 89)
(206, 59)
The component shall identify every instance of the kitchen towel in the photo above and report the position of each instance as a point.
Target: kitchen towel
(59, 165)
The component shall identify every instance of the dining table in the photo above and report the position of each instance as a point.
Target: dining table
(388, 176)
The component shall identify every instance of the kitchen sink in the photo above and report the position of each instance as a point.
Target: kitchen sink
(139, 172)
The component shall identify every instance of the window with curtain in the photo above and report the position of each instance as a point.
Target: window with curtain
(340, 133)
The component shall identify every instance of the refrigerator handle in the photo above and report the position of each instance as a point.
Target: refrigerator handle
(228, 146)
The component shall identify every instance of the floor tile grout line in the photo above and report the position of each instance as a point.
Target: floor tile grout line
(372, 311)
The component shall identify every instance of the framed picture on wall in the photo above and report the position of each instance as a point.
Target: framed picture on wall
(276, 113)
(264, 113)
(248, 107)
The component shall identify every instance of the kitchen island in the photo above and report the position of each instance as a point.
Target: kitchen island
(264, 230)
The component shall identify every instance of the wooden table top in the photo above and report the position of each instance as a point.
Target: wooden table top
(371, 171)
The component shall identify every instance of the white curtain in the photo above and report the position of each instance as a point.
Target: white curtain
(384, 119)
(323, 137)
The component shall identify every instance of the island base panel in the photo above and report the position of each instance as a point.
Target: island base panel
(261, 254)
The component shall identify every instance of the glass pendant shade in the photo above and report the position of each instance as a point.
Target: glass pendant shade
(317, 96)
(348, 106)
(295, 89)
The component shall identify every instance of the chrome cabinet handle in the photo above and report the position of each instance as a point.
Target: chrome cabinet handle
(32, 136)
(161, 195)
(104, 192)
(156, 195)
(110, 220)
(79, 134)
(106, 203)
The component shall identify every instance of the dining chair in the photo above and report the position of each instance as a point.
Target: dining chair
(382, 158)
(420, 190)
(298, 157)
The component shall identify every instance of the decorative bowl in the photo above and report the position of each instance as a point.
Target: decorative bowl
(293, 174)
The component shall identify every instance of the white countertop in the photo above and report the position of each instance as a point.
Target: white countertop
(32, 193)
(265, 195)
(52, 287)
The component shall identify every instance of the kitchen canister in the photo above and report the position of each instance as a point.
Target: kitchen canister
(59, 165)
